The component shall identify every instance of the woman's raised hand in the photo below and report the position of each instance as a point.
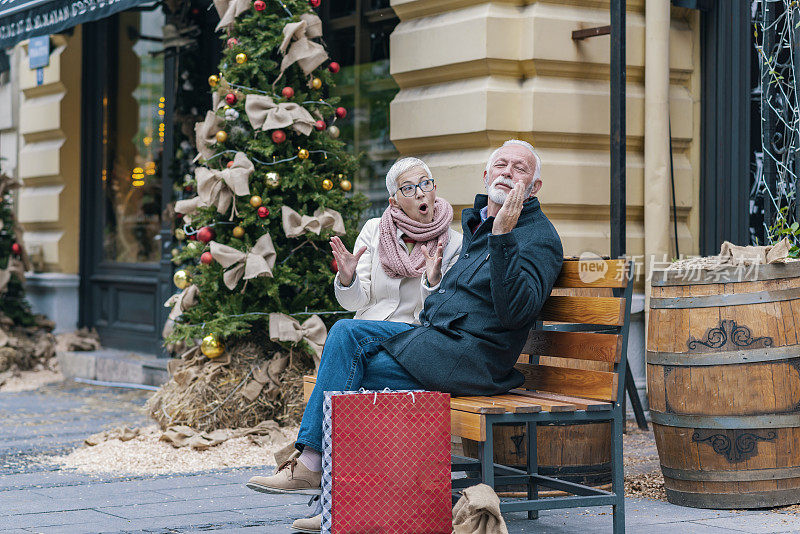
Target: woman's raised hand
(345, 261)
(433, 265)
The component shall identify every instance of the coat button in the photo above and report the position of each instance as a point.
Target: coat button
(426, 323)
(441, 291)
(466, 255)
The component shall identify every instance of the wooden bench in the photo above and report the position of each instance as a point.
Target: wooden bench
(586, 318)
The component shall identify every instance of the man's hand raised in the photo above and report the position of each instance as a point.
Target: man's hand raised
(506, 219)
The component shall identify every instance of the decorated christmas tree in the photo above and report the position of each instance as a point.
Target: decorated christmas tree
(271, 185)
(13, 260)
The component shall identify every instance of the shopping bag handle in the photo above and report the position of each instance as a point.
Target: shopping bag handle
(386, 390)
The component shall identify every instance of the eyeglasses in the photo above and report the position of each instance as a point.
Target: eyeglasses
(426, 186)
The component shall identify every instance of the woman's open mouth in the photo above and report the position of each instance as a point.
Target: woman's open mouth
(423, 208)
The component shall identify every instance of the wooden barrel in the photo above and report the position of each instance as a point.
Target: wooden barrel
(723, 380)
(576, 453)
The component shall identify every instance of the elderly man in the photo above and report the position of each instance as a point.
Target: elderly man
(473, 325)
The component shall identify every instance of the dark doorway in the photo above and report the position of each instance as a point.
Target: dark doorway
(124, 135)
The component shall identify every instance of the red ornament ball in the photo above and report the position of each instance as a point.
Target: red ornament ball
(229, 164)
(230, 98)
(16, 249)
(187, 188)
(263, 212)
(334, 67)
(287, 92)
(334, 266)
(233, 41)
(315, 3)
(260, 5)
(193, 237)
(206, 258)
(205, 234)
(320, 125)
(278, 136)
(341, 113)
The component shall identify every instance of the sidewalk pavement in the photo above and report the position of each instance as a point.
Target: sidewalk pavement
(36, 497)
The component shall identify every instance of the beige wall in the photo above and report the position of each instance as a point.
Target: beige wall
(474, 73)
(49, 154)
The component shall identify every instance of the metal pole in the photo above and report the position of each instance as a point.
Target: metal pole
(617, 72)
(768, 118)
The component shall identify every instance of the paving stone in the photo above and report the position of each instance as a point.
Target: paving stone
(758, 523)
(75, 517)
(44, 504)
(204, 492)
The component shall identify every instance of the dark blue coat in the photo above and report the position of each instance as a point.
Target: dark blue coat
(474, 328)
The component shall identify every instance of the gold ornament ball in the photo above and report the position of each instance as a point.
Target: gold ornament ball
(238, 232)
(180, 235)
(327, 185)
(273, 179)
(213, 80)
(181, 279)
(303, 154)
(241, 58)
(333, 131)
(316, 83)
(212, 347)
(255, 201)
(221, 136)
(346, 185)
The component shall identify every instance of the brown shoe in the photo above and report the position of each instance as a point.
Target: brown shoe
(308, 525)
(291, 477)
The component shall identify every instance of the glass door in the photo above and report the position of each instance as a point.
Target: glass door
(124, 138)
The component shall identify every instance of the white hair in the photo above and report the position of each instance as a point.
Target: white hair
(400, 166)
(537, 174)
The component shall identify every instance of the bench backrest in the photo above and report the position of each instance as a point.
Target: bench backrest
(579, 345)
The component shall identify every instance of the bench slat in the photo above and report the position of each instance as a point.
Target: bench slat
(577, 345)
(613, 274)
(548, 405)
(590, 310)
(590, 405)
(511, 405)
(598, 385)
(466, 404)
(468, 425)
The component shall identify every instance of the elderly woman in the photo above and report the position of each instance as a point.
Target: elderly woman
(400, 257)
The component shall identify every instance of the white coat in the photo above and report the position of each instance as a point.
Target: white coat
(373, 294)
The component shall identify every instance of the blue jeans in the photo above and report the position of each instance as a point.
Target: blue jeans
(353, 359)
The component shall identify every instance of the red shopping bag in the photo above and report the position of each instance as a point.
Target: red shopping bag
(390, 463)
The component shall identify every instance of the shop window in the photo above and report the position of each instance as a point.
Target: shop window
(133, 139)
(357, 34)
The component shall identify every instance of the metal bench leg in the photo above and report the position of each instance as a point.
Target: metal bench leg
(533, 467)
(618, 475)
(486, 455)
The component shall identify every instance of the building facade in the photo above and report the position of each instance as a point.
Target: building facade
(91, 134)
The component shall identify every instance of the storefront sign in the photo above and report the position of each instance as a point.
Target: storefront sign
(39, 52)
(23, 19)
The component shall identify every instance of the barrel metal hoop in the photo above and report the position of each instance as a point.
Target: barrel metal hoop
(725, 275)
(745, 475)
(728, 501)
(735, 299)
(726, 422)
(728, 357)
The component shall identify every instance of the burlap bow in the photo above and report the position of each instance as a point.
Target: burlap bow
(287, 329)
(228, 10)
(297, 48)
(257, 262)
(205, 134)
(189, 207)
(180, 302)
(15, 267)
(268, 373)
(295, 225)
(267, 115)
(7, 184)
(217, 188)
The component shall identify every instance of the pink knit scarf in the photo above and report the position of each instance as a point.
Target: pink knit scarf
(395, 259)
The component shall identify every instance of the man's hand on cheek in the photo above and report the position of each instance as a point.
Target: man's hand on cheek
(506, 219)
